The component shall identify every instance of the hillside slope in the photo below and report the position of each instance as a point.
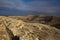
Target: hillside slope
(29, 31)
(49, 20)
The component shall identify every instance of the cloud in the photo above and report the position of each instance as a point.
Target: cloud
(42, 3)
(12, 4)
(39, 6)
(51, 9)
(8, 5)
(44, 6)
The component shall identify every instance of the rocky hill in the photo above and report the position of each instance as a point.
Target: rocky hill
(13, 29)
(49, 20)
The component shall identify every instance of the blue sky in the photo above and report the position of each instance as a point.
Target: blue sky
(47, 6)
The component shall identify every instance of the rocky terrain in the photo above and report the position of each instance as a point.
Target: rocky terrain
(16, 28)
(49, 20)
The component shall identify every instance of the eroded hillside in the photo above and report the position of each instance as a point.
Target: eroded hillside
(26, 31)
(49, 20)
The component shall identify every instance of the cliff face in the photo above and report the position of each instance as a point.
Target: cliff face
(27, 31)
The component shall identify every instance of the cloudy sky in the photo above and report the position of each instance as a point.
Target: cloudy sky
(47, 6)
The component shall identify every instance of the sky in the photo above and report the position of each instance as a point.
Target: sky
(46, 6)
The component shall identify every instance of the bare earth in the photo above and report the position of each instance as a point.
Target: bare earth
(10, 28)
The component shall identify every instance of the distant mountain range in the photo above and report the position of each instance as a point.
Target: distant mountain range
(4, 11)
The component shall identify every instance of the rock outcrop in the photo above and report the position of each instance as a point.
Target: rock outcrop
(27, 31)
